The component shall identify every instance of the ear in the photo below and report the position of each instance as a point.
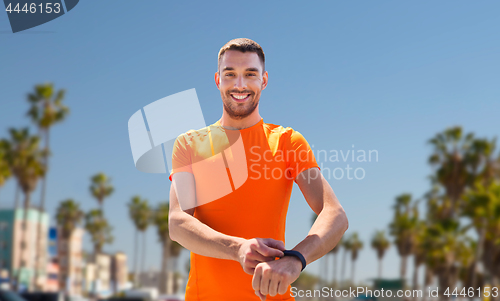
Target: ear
(217, 80)
(265, 77)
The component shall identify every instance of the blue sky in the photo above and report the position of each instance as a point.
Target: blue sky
(379, 75)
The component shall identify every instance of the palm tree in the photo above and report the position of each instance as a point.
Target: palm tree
(5, 172)
(140, 213)
(452, 160)
(402, 228)
(68, 217)
(477, 200)
(161, 223)
(45, 111)
(323, 277)
(175, 252)
(419, 250)
(355, 245)
(335, 251)
(380, 243)
(101, 188)
(477, 206)
(482, 162)
(26, 161)
(483, 207)
(443, 241)
(346, 244)
(171, 249)
(99, 229)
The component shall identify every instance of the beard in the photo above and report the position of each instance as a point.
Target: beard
(240, 110)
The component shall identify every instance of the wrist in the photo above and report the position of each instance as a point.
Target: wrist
(293, 260)
(296, 254)
(237, 243)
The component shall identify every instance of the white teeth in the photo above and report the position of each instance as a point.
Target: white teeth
(240, 97)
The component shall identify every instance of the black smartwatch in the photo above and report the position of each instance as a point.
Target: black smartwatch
(298, 255)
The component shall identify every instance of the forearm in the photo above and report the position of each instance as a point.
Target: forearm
(325, 233)
(190, 232)
(201, 239)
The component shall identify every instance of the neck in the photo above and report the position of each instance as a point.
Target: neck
(239, 124)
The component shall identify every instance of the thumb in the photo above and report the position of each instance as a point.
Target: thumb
(271, 248)
(273, 243)
(266, 250)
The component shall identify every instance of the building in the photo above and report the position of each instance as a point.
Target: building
(119, 272)
(52, 246)
(103, 273)
(97, 275)
(52, 284)
(151, 279)
(70, 259)
(12, 252)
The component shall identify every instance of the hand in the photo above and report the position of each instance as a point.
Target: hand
(256, 250)
(271, 278)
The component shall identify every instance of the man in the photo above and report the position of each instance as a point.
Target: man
(235, 231)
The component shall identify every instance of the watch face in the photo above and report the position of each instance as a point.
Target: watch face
(25, 14)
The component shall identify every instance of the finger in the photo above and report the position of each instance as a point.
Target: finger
(260, 258)
(267, 251)
(273, 243)
(262, 297)
(257, 275)
(273, 287)
(264, 285)
(249, 266)
(282, 288)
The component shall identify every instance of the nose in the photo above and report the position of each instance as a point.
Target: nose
(240, 83)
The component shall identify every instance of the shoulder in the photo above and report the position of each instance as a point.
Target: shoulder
(287, 133)
(192, 136)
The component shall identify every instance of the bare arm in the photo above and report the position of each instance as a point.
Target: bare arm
(203, 240)
(189, 231)
(274, 277)
(331, 222)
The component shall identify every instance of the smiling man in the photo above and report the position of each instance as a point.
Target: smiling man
(226, 213)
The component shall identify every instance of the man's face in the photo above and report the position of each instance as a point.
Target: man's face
(240, 81)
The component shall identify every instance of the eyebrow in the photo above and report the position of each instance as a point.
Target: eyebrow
(248, 69)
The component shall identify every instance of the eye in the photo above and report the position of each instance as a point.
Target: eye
(229, 74)
(251, 74)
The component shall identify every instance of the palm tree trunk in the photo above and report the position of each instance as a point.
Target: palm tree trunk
(66, 268)
(427, 280)
(495, 283)
(335, 269)
(352, 272)
(39, 237)
(325, 273)
(22, 262)
(143, 251)
(136, 244)
(16, 196)
(403, 266)
(415, 277)
(174, 270)
(479, 254)
(342, 274)
(380, 268)
(164, 266)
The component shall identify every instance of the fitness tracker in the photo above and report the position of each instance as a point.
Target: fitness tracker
(298, 255)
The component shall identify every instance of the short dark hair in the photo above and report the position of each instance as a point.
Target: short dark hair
(243, 45)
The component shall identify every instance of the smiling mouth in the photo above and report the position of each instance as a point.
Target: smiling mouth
(240, 97)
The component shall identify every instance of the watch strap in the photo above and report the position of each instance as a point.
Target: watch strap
(298, 255)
